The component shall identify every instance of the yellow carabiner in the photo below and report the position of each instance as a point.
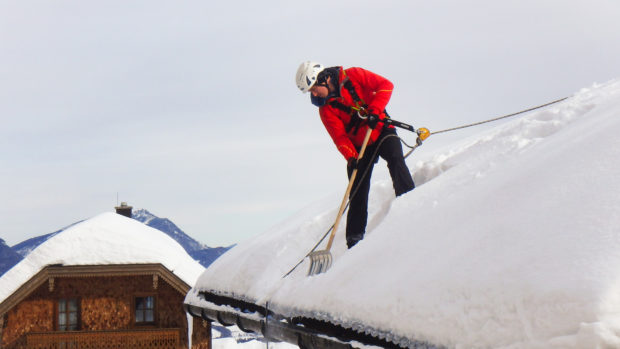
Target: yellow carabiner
(423, 133)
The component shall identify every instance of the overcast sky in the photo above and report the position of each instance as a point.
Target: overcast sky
(189, 108)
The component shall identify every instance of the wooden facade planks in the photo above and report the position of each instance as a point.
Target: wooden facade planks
(106, 296)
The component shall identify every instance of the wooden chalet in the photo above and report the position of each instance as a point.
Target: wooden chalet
(101, 306)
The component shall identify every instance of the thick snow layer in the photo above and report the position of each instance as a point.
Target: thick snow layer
(108, 238)
(510, 240)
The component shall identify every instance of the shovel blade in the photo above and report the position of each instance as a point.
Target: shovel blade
(320, 262)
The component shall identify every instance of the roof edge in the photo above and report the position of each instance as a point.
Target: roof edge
(60, 271)
(306, 332)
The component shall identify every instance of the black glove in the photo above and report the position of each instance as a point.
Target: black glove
(351, 164)
(373, 119)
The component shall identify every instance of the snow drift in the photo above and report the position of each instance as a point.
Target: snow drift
(510, 240)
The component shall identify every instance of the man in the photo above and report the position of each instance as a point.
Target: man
(350, 101)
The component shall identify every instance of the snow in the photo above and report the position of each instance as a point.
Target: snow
(108, 238)
(226, 343)
(510, 240)
(233, 337)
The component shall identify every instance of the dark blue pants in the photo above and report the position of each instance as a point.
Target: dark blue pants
(391, 150)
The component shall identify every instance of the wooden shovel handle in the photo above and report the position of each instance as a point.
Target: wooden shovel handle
(345, 199)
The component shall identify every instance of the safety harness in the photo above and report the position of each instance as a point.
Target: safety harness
(358, 112)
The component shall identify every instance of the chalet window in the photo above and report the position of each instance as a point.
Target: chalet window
(145, 310)
(68, 314)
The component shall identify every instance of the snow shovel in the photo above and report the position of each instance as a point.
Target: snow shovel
(321, 261)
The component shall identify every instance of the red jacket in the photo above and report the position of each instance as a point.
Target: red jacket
(374, 90)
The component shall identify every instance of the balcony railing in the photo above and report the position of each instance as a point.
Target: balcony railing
(155, 338)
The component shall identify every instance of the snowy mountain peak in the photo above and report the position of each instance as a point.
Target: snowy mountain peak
(8, 257)
(199, 251)
(143, 216)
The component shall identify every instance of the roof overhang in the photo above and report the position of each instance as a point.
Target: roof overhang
(51, 272)
(307, 333)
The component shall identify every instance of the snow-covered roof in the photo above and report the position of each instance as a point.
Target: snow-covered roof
(105, 239)
(510, 239)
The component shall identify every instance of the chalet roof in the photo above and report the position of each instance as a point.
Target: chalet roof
(51, 273)
(106, 239)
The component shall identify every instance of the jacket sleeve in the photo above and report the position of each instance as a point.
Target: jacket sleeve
(337, 132)
(378, 89)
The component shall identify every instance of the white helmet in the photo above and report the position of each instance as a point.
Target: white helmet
(307, 74)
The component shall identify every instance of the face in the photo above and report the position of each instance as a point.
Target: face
(319, 91)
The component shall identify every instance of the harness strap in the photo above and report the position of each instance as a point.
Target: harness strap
(353, 111)
(356, 98)
(355, 121)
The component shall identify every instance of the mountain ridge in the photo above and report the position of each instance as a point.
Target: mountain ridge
(204, 254)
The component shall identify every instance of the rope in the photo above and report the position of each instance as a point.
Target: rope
(412, 148)
(499, 118)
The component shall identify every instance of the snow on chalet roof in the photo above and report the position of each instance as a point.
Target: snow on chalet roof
(108, 238)
(511, 239)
